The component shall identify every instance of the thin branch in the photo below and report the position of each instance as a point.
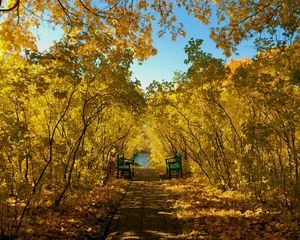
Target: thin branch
(260, 9)
(17, 3)
(18, 12)
(85, 6)
(38, 16)
(95, 13)
(65, 10)
(114, 6)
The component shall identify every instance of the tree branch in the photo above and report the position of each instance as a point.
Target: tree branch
(17, 3)
(93, 12)
(65, 10)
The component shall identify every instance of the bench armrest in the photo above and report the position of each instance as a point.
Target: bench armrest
(128, 161)
(170, 160)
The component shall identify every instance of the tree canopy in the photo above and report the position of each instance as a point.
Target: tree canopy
(130, 23)
(66, 113)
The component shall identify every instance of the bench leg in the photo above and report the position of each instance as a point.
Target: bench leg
(168, 172)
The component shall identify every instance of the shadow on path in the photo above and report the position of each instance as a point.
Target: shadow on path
(145, 212)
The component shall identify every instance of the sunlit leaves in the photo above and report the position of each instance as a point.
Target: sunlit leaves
(130, 23)
(207, 212)
(62, 114)
(236, 124)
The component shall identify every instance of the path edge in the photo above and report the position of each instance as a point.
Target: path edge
(113, 212)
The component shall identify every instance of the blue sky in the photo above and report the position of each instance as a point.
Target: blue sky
(170, 56)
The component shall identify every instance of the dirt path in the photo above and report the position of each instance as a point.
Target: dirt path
(146, 211)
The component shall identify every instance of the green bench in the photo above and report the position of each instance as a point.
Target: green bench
(125, 167)
(174, 164)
